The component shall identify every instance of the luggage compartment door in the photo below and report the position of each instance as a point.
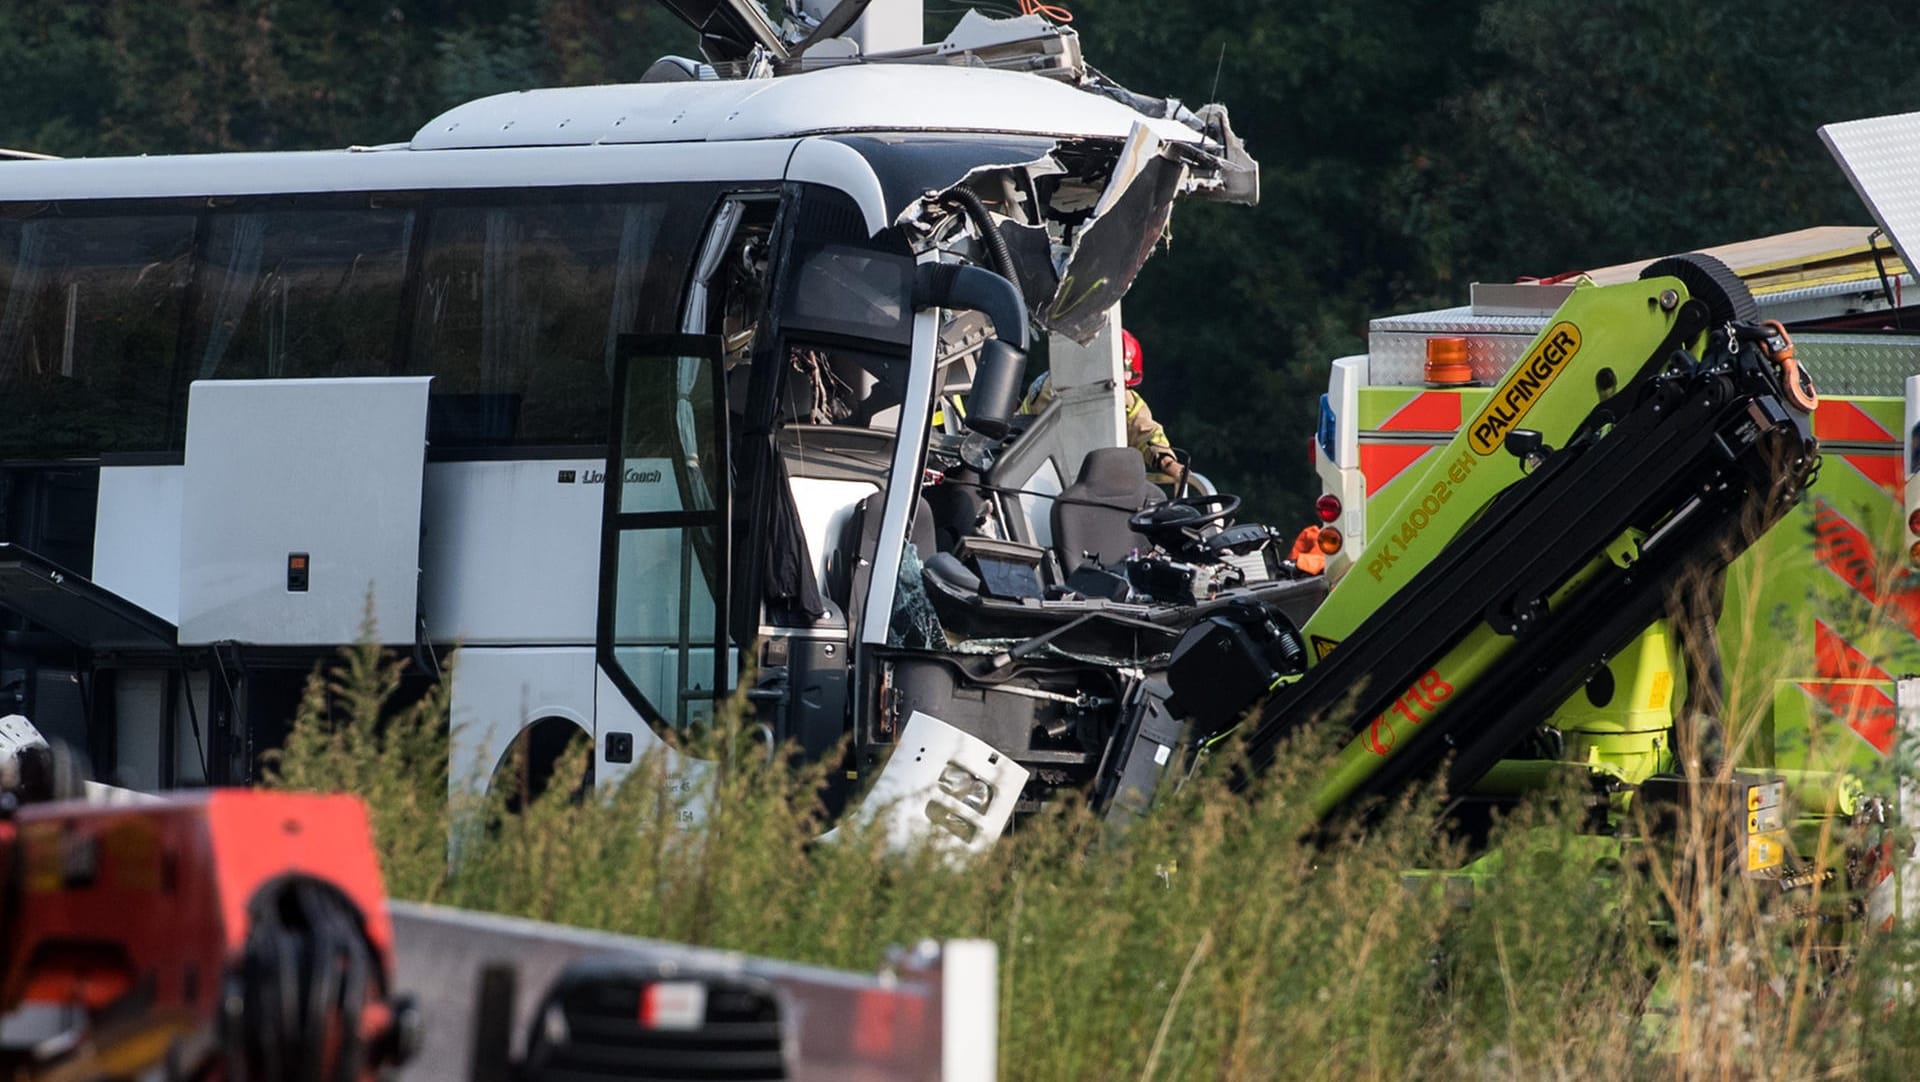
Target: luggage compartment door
(301, 501)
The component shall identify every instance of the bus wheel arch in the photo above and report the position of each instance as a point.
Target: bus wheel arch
(526, 766)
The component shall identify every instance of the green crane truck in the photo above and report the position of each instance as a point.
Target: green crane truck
(1572, 535)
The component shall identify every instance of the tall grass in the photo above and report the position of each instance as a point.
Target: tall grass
(1209, 940)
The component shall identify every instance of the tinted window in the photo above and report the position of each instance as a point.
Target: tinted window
(89, 327)
(669, 581)
(848, 291)
(519, 308)
(300, 293)
(514, 305)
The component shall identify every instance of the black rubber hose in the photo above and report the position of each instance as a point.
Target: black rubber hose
(961, 285)
(996, 244)
(306, 975)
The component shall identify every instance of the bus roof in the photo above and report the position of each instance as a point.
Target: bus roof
(626, 133)
(851, 98)
(390, 168)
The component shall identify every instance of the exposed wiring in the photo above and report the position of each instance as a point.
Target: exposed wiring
(1057, 13)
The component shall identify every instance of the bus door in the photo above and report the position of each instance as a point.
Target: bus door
(813, 323)
(664, 559)
(843, 330)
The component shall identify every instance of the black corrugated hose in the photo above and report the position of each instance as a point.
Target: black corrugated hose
(306, 976)
(996, 244)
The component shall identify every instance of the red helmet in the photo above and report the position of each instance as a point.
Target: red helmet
(1130, 353)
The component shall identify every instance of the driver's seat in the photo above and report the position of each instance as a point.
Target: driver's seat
(1090, 517)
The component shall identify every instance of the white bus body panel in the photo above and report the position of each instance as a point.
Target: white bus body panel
(825, 508)
(511, 552)
(837, 165)
(854, 98)
(617, 715)
(1088, 410)
(497, 693)
(886, 25)
(328, 468)
(276, 172)
(909, 791)
(136, 536)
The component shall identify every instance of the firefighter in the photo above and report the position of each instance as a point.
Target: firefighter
(1144, 434)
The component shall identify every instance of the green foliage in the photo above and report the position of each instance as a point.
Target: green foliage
(1211, 939)
(1630, 128)
(172, 76)
(474, 62)
(52, 98)
(351, 735)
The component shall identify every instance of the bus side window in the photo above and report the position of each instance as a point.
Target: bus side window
(300, 294)
(90, 313)
(519, 308)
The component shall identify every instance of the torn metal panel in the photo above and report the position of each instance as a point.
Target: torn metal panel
(1141, 147)
(740, 42)
(909, 167)
(1070, 220)
(1128, 219)
(1237, 178)
(1226, 172)
(1032, 249)
(1106, 208)
(942, 788)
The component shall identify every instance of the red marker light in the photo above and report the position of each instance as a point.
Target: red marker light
(1328, 508)
(1913, 523)
(673, 1005)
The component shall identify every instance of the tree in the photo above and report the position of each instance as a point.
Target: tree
(53, 99)
(1242, 315)
(1620, 129)
(173, 76)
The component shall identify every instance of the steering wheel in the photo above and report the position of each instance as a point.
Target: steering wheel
(1184, 513)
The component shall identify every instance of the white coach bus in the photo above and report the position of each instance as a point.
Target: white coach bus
(246, 393)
